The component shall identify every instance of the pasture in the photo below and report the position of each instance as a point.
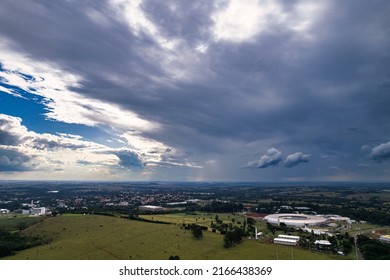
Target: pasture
(18, 222)
(199, 218)
(102, 238)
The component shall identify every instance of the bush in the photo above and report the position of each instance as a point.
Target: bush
(373, 249)
(233, 237)
(5, 250)
(176, 257)
(10, 242)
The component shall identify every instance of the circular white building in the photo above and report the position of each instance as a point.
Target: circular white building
(295, 220)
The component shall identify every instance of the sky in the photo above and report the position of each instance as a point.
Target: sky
(235, 90)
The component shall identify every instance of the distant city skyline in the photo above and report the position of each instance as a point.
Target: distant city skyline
(268, 91)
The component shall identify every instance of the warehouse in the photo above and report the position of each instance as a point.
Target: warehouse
(284, 241)
(151, 208)
(287, 240)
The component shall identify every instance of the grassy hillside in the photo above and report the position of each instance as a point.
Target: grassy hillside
(100, 237)
(16, 223)
(203, 219)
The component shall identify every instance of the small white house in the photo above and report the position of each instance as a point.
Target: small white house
(322, 243)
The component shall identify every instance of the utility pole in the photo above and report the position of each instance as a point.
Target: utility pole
(356, 248)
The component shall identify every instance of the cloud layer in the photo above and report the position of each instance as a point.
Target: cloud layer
(273, 157)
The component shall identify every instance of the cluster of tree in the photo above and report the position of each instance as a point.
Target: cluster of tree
(249, 226)
(375, 216)
(197, 230)
(219, 207)
(340, 242)
(267, 208)
(233, 234)
(137, 218)
(372, 249)
(282, 227)
(233, 237)
(11, 242)
(219, 225)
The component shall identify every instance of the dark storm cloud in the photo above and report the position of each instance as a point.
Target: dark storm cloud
(41, 143)
(9, 137)
(63, 33)
(295, 159)
(12, 160)
(381, 152)
(277, 88)
(187, 19)
(273, 157)
(129, 159)
(306, 92)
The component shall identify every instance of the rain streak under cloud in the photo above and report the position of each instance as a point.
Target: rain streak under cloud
(195, 90)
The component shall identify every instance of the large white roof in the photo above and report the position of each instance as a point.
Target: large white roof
(295, 219)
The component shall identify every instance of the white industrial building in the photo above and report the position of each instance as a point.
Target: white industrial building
(385, 238)
(39, 211)
(151, 208)
(285, 241)
(291, 237)
(290, 240)
(339, 218)
(295, 220)
(317, 231)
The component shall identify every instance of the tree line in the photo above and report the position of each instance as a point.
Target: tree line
(12, 242)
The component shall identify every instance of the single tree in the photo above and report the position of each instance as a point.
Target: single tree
(196, 231)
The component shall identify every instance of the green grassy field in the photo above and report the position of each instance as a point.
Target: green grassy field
(368, 229)
(203, 219)
(101, 237)
(15, 223)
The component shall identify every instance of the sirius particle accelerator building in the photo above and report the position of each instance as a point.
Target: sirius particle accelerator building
(295, 220)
